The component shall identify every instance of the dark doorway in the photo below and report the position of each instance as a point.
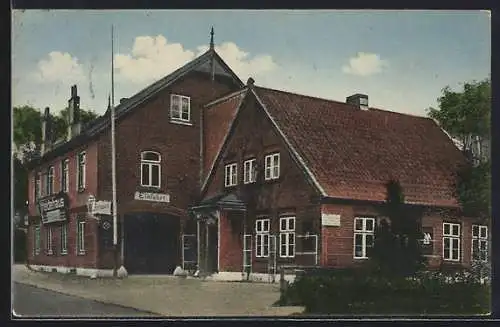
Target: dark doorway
(213, 248)
(151, 243)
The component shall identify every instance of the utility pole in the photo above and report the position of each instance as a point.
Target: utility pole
(113, 161)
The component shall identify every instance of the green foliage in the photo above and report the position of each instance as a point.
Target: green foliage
(474, 190)
(396, 249)
(357, 291)
(466, 112)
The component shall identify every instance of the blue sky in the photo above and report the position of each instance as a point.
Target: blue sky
(400, 59)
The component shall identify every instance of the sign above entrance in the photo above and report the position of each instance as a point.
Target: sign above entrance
(154, 197)
(53, 208)
(102, 208)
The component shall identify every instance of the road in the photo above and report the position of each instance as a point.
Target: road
(30, 301)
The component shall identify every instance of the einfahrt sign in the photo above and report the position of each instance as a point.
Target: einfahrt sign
(154, 197)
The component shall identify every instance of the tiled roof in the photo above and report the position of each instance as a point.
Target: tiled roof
(353, 153)
(217, 119)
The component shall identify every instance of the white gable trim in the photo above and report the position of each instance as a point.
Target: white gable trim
(204, 184)
(292, 149)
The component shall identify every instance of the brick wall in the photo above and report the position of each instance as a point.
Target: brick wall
(231, 241)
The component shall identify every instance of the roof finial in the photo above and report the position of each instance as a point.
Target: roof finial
(212, 38)
(109, 101)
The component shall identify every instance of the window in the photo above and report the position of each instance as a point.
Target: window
(65, 175)
(451, 242)
(81, 171)
(48, 240)
(80, 237)
(262, 238)
(64, 239)
(50, 180)
(287, 237)
(38, 186)
(231, 177)
(180, 108)
(364, 233)
(272, 166)
(479, 243)
(36, 242)
(150, 169)
(249, 171)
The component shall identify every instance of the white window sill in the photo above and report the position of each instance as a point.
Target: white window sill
(361, 258)
(81, 253)
(64, 252)
(232, 185)
(181, 122)
(452, 260)
(251, 182)
(50, 253)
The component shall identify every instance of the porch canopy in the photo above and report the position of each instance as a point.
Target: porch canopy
(223, 201)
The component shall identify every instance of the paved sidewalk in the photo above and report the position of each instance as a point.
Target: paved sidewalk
(165, 295)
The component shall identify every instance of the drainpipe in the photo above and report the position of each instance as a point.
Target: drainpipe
(198, 243)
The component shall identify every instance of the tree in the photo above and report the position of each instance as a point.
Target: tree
(465, 115)
(396, 249)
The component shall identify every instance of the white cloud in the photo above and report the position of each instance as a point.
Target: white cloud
(152, 58)
(59, 67)
(365, 64)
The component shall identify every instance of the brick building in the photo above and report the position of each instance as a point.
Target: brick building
(236, 179)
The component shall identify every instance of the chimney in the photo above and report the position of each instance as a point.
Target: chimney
(122, 100)
(358, 100)
(46, 132)
(73, 114)
(250, 82)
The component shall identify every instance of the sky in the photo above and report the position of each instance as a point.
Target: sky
(400, 59)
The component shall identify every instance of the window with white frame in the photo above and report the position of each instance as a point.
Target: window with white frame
(272, 166)
(80, 237)
(65, 175)
(81, 162)
(479, 243)
(150, 169)
(38, 186)
(364, 234)
(231, 175)
(262, 238)
(180, 108)
(287, 237)
(64, 239)
(36, 241)
(48, 240)
(451, 242)
(50, 180)
(249, 172)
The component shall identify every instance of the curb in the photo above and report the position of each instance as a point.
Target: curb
(89, 299)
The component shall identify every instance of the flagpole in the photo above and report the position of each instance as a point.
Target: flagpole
(113, 162)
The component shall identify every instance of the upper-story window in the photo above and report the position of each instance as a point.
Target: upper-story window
(80, 172)
(272, 166)
(38, 186)
(231, 175)
(65, 175)
(249, 172)
(180, 108)
(50, 180)
(150, 169)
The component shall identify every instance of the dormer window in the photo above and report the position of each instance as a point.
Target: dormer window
(150, 169)
(180, 108)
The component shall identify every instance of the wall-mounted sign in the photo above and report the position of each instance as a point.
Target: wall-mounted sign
(154, 197)
(330, 220)
(53, 208)
(101, 208)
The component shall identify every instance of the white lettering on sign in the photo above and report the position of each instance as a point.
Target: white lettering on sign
(50, 205)
(330, 220)
(154, 197)
(102, 208)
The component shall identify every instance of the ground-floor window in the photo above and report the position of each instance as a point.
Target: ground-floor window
(64, 239)
(48, 240)
(80, 237)
(364, 234)
(36, 241)
(287, 237)
(262, 238)
(451, 242)
(479, 243)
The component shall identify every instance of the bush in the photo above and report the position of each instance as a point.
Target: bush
(355, 292)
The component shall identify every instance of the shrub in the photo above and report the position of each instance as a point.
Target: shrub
(355, 292)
